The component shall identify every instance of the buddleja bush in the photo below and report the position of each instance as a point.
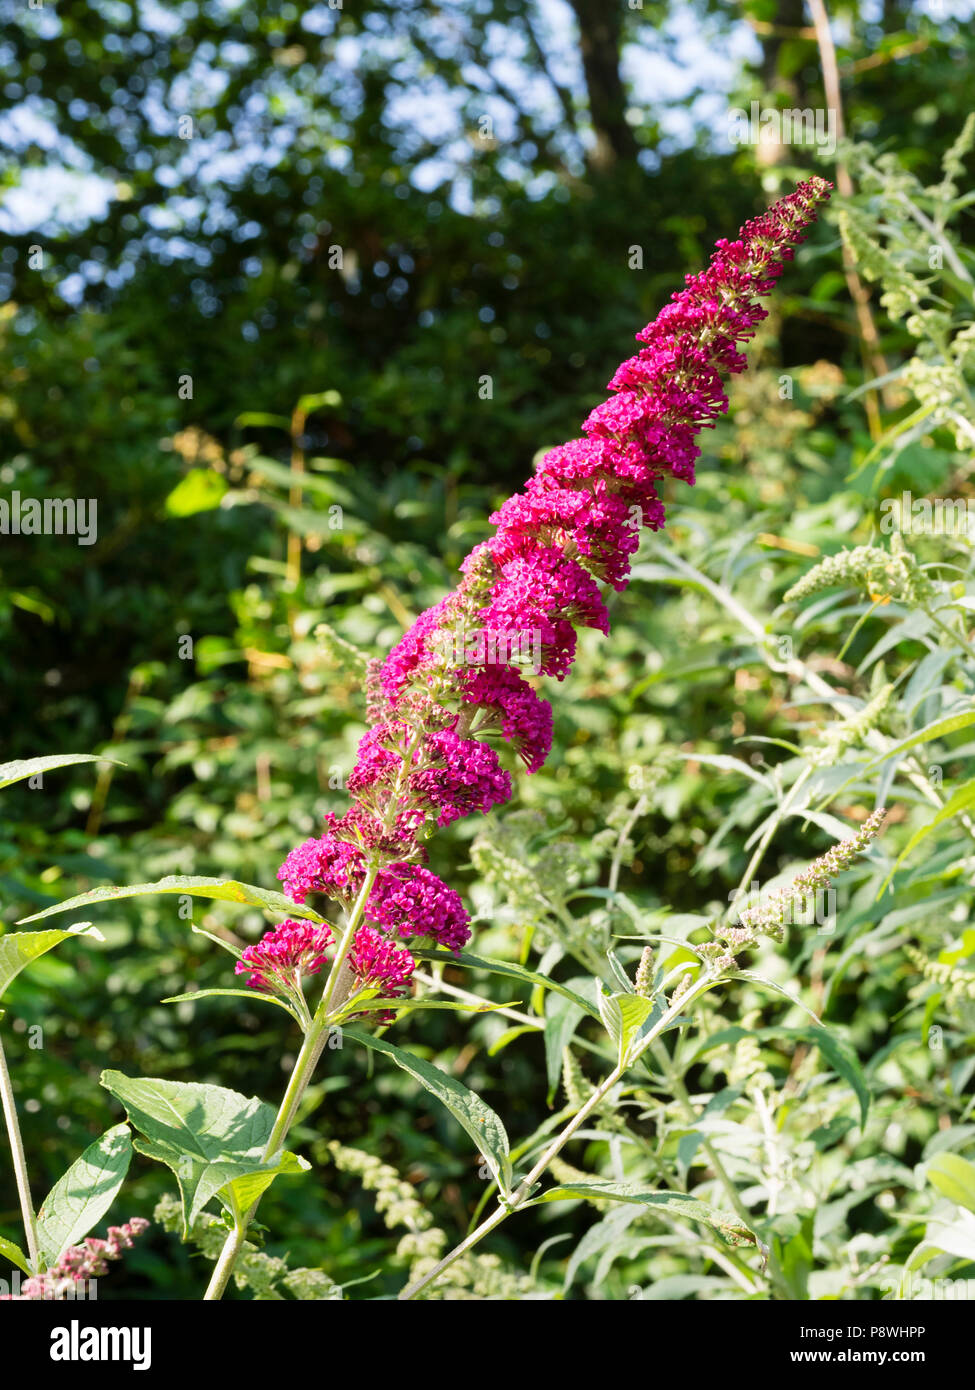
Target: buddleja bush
(702, 1165)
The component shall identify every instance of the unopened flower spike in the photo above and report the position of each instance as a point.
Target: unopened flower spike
(881, 574)
(645, 972)
(771, 917)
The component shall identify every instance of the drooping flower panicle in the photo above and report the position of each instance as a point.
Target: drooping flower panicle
(460, 671)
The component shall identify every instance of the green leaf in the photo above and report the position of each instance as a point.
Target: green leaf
(455, 1006)
(219, 889)
(723, 762)
(675, 1204)
(844, 1062)
(260, 419)
(273, 472)
(946, 1238)
(562, 1018)
(209, 1136)
(509, 1036)
(775, 988)
(839, 1054)
(475, 1115)
(206, 1121)
(954, 1177)
(252, 994)
(248, 1189)
(19, 948)
(509, 971)
(795, 1259)
(30, 767)
(960, 801)
(623, 1016)
(200, 490)
(14, 1254)
(939, 729)
(212, 936)
(609, 1235)
(888, 437)
(79, 1200)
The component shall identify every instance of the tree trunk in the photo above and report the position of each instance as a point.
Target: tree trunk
(600, 41)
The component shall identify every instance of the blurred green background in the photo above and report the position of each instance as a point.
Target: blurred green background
(240, 238)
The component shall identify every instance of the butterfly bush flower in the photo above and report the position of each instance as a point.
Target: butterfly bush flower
(79, 1263)
(376, 961)
(284, 955)
(460, 671)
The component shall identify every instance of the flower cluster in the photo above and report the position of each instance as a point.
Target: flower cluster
(410, 901)
(573, 528)
(284, 955)
(377, 961)
(328, 865)
(79, 1263)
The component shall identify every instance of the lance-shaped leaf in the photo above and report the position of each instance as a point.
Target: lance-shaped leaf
(219, 889)
(254, 995)
(562, 1017)
(31, 767)
(14, 1254)
(211, 1138)
(80, 1199)
(509, 971)
(481, 1122)
(674, 1204)
(373, 1003)
(941, 728)
(19, 948)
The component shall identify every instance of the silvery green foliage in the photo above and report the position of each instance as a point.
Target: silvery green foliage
(906, 237)
(476, 1276)
(762, 1148)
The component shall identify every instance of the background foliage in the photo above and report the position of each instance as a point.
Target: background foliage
(463, 256)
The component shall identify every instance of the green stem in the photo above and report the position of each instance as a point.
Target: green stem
(775, 820)
(676, 1083)
(19, 1162)
(311, 1050)
(304, 1067)
(524, 1190)
(348, 936)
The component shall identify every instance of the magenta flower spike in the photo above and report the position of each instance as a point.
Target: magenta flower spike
(462, 669)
